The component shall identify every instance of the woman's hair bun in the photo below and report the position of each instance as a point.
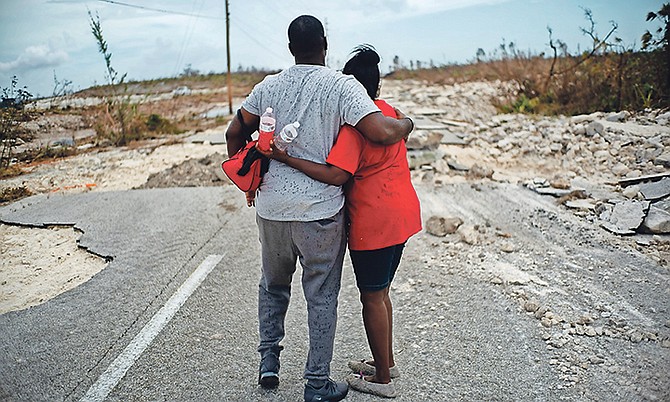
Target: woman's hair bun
(366, 54)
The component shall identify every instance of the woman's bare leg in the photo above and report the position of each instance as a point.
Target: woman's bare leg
(376, 322)
(389, 313)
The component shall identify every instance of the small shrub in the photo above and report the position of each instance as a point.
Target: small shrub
(10, 194)
(11, 171)
(12, 115)
(156, 123)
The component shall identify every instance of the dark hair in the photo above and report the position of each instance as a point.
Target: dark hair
(364, 66)
(306, 36)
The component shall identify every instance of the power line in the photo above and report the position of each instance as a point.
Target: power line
(253, 38)
(118, 3)
(188, 35)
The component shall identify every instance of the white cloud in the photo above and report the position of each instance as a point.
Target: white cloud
(34, 57)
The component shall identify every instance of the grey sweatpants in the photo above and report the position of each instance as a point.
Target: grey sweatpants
(319, 246)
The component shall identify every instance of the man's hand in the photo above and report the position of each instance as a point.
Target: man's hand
(401, 115)
(274, 152)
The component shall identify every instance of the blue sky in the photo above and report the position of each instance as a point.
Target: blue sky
(40, 37)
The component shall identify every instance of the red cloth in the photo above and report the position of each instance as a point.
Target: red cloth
(381, 202)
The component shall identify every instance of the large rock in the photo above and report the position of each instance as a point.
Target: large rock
(625, 217)
(418, 158)
(424, 139)
(658, 218)
(663, 159)
(479, 172)
(441, 226)
(656, 190)
(595, 127)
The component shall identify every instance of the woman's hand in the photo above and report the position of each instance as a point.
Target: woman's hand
(251, 198)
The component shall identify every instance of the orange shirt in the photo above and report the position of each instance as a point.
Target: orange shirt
(381, 202)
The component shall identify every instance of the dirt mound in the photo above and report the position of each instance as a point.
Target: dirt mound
(203, 172)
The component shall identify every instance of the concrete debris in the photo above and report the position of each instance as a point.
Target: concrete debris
(479, 172)
(442, 226)
(624, 217)
(623, 157)
(211, 136)
(655, 190)
(620, 116)
(560, 183)
(424, 123)
(418, 158)
(450, 138)
(543, 186)
(663, 160)
(455, 165)
(588, 204)
(424, 139)
(594, 128)
(632, 191)
(658, 218)
(460, 133)
(426, 111)
(454, 123)
(468, 234)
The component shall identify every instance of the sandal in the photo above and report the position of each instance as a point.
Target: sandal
(365, 368)
(359, 383)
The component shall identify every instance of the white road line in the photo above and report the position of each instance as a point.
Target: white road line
(108, 380)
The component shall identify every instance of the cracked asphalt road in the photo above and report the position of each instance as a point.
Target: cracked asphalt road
(538, 305)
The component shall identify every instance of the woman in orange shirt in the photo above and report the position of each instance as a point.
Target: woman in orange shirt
(383, 211)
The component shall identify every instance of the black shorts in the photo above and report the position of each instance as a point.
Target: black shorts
(375, 269)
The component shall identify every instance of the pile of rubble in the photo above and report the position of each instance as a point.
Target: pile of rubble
(612, 168)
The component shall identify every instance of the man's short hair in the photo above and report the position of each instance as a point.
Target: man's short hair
(306, 35)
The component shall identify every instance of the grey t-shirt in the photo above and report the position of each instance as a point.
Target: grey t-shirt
(322, 100)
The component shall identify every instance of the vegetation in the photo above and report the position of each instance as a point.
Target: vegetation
(119, 123)
(608, 77)
(12, 115)
(10, 194)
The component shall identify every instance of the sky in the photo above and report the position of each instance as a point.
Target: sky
(45, 41)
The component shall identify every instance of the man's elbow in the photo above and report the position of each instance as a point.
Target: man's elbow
(233, 134)
(386, 134)
(391, 136)
(382, 129)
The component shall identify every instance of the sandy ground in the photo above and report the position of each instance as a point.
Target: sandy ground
(31, 276)
(28, 275)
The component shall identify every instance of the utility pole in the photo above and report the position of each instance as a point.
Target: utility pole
(228, 78)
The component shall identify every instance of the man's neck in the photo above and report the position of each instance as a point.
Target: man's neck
(316, 61)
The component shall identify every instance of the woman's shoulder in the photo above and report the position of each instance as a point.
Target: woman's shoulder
(386, 108)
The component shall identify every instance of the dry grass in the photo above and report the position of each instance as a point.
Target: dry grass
(13, 193)
(567, 85)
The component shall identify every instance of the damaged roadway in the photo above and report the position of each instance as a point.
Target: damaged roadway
(523, 294)
(535, 305)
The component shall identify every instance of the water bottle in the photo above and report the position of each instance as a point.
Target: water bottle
(286, 136)
(266, 129)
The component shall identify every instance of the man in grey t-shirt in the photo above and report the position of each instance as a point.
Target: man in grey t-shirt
(298, 217)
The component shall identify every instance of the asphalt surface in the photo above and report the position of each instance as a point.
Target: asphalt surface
(458, 336)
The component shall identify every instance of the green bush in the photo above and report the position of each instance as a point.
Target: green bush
(156, 123)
